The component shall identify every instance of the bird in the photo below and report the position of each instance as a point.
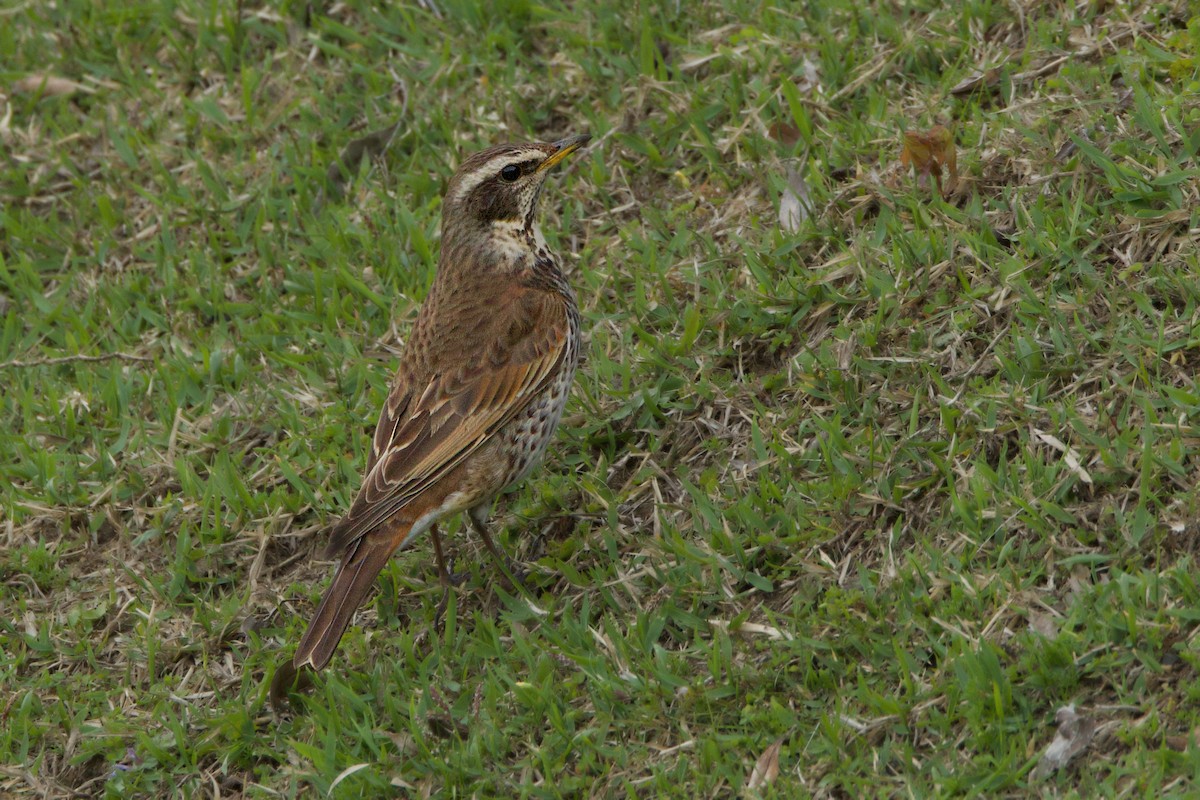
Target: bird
(478, 393)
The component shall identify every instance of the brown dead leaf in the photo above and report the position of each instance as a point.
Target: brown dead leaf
(47, 85)
(785, 133)
(766, 769)
(1182, 743)
(929, 152)
(1074, 734)
(373, 145)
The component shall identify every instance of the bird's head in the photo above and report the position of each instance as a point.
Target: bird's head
(500, 185)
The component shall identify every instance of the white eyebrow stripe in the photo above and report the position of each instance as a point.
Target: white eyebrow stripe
(469, 182)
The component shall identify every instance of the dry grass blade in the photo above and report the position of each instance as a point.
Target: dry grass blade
(49, 361)
(1070, 456)
(49, 85)
(346, 773)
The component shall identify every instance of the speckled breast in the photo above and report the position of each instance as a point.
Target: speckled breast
(527, 436)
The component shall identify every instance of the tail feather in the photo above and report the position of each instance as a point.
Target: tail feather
(351, 583)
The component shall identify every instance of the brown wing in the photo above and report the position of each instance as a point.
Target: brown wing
(427, 430)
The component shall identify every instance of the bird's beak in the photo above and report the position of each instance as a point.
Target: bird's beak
(564, 148)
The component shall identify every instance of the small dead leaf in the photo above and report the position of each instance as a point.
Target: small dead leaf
(986, 79)
(809, 79)
(1182, 743)
(1079, 583)
(254, 623)
(844, 350)
(795, 204)
(930, 152)
(1043, 623)
(49, 85)
(766, 769)
(1075, 732)
(373, 145)
(446, 727)
(785, 133)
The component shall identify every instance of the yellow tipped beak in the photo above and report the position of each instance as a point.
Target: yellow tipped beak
(565, 148)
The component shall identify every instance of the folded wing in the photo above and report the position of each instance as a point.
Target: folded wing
(427, 430)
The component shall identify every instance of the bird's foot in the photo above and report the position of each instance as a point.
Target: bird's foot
(455, 578)
(287, 680)
(516, 573)
(448, 586)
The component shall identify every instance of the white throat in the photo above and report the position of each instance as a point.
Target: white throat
(510, 240)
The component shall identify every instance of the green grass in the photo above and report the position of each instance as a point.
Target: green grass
(889, 490)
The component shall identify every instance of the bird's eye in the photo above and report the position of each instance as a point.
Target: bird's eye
(510, 173)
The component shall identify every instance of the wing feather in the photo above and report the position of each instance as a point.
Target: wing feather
(417, 443)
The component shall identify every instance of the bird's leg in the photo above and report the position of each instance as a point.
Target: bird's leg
(512, 569)
(447, 577)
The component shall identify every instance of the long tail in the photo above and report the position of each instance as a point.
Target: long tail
(351, 583)
(363, 562)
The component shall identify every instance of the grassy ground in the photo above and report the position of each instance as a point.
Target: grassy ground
(863, 499)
